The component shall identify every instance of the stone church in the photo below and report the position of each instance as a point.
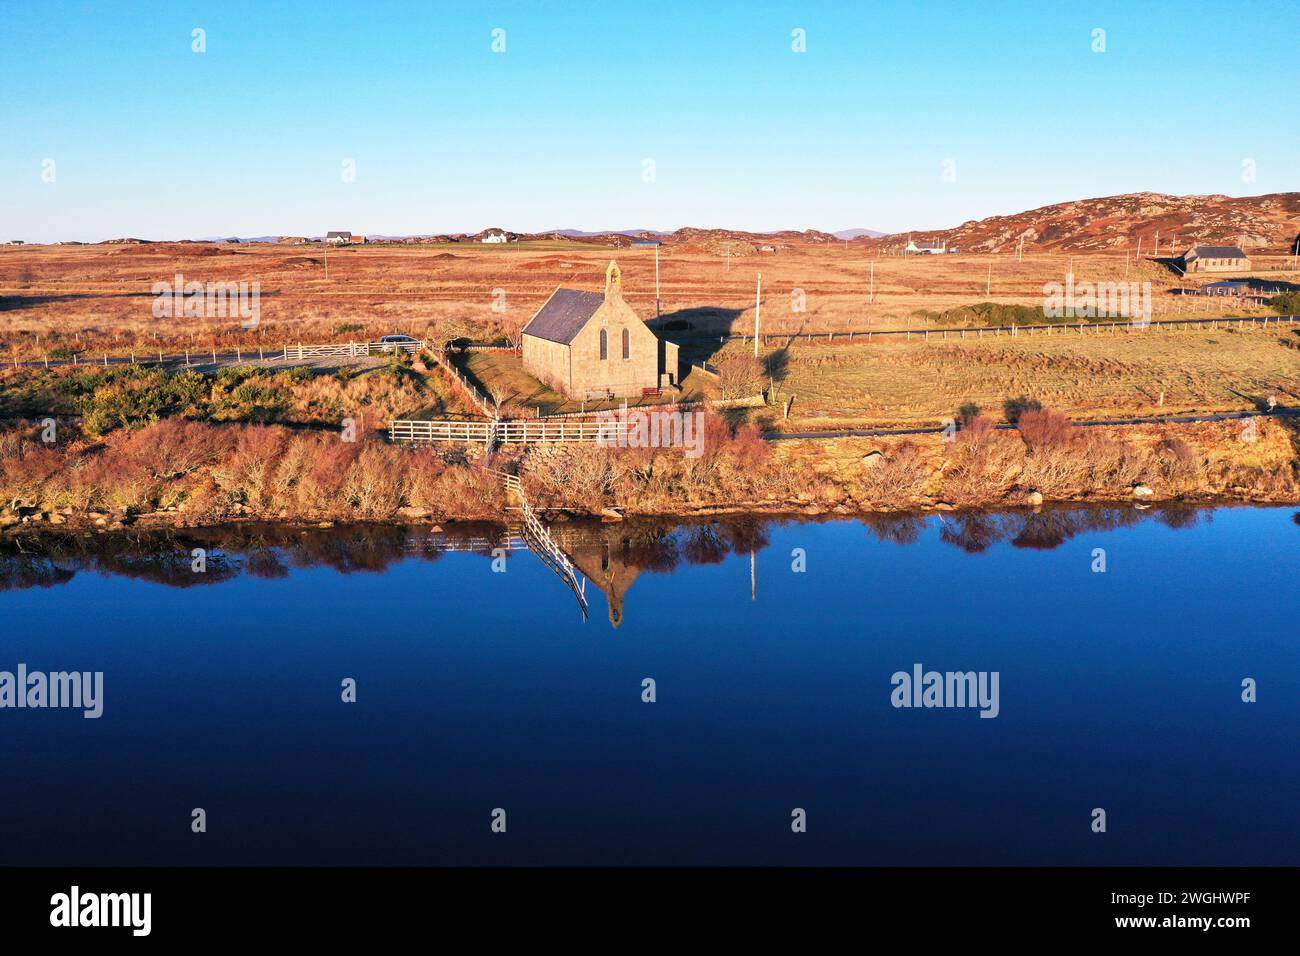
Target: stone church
(592, 346)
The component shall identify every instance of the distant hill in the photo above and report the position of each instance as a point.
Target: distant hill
(1109, 223)
(582, 234)
(1269, 222)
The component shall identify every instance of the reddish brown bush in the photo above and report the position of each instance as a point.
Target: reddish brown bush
(247, 470)
(174, 447)
(900, 476)
(320, 486)
(377, 481)
(1044, 428)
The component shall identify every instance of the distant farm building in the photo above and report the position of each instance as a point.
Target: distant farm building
(495, 235)
(1215, 259)
(926, 248)
(338, 238)
(589, 345)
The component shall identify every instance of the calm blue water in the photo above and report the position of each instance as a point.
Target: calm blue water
(479, 690)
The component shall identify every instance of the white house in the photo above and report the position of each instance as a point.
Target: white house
(926, 248)
(495, 235)
(338, 238)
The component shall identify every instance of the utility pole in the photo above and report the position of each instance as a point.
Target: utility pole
(1139, 255)
(1157, 243)
(873, 283)
(656, 280)
(988, 284)
(327, 259)
(758, 308)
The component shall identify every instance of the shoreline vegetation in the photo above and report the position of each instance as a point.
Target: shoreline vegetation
(271, 550)
(108, 447)
(179, 472)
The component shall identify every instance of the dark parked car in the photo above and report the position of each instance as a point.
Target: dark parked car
(394, 343)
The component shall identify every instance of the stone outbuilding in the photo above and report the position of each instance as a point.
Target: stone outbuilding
(591, 346)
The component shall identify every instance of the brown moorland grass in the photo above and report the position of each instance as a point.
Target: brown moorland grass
(98, 297)
(1129, 374)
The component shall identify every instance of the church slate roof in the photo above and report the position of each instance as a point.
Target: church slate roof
(563, 315)
(1218, 252)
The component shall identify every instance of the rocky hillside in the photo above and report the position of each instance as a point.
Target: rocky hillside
(1267, 223)
(720, 241)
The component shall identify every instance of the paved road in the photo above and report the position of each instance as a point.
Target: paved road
(1170, 420)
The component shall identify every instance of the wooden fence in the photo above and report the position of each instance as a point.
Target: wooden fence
(476, 398)
(299, 352)
(1059, 328)
(497, 431)
(539, 540)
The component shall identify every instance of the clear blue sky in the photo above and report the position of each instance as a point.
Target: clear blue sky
(152, 140)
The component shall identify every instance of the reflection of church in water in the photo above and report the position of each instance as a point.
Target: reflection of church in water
(611, 557)
(610, 563)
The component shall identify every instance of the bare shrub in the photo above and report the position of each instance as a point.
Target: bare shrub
(26, 468)
(128, 483)
(1043, 428)
(1181, 466)
(321, 484)
(174, 447)
(247, 470)
(1115, 464)
(987, 461)
(572, 476)
(902, 475)
(376, 483)
(740, 376)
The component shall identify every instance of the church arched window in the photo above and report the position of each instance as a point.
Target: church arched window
(604, 345)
